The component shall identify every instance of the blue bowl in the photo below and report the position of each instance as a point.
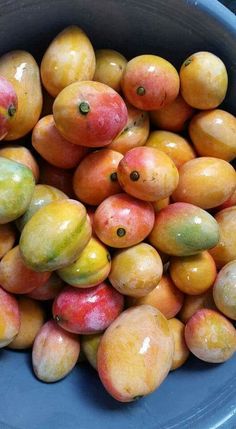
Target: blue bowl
(199, 395)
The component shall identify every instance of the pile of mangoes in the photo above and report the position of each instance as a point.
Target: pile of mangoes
(118, 210)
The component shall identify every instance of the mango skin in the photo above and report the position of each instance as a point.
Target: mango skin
(210, 336)
(87, 311)
(166, 297)
(16, 277)
(16, 189)
(135, 353)
(110, 66)
(157, 174)
(32, 316)
(136, 271)
(21, 69)
(224, 290)
(157, 76)
(193, 274)
(22, 155)
(172, 117)
(174, 145)
(7, 238)
(55, 235)
(122, 212)
(107, 113)
(91, 268)
(9, 318)
(8, 106)
(42, 195)
(134, 133)
(48, 290)
(55, 352)
(203, 80)
(206, 182)
(225, 250)
(69, 57)
(193, 303)
(89, 346)
(182, 229)
(181, 352)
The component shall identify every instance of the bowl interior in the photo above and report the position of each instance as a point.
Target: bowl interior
(198, 395)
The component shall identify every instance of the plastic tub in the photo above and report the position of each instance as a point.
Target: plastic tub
(199, 395)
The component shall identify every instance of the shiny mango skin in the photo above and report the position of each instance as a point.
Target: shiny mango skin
(174, 145)
(104, 116)
(210, 336)
(32, 317)
(21, 69)
(172, 117)
(69, 57)
(203, 80)
(182, 229)
(134, 133)
(156, 77)
(181, 352)
(110, 66)
(22, 155)
(225, 250)
(213, 133)
(50, 144)
(55, 352)
(135, 353)
(89, 346)
(156, 174)
(55, 235)
(42, 195)
(8, 106)
(193, 303)
(206, 182)
(9, 318)
(136, 271)
(91, 268)
(16, 189)
(224, 290)
(16, 277)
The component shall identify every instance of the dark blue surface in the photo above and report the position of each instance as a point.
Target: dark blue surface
(199, 395)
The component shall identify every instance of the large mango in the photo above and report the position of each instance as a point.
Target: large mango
(55, 235)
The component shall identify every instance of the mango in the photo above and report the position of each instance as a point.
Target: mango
(42, 195)
(150, 82)
(9, 318)
(89, 113)
(136, 271)
(147, 173)
(55, 352)
(210, 336)
(224, 290)
(110, 66)
(16, 277)
(182, 229)
(22, 155)
(91, 268)
(21, 69)
(198, 91)
(89, 345)
(7, 238)
(32, 316)
(135, 353)
(181, 351)
(69, 57)
(8, 106)
(55, 235)
(16, 189)
(87, 311)
(206, 182)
